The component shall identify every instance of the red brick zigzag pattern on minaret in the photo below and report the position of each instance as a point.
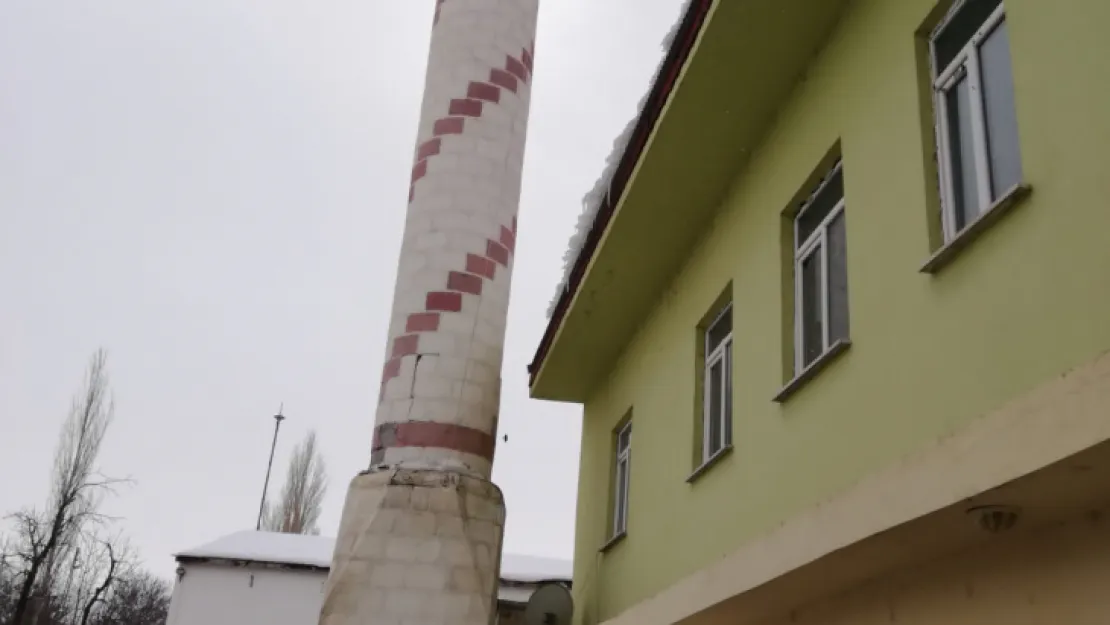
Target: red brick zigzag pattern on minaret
(479, 266)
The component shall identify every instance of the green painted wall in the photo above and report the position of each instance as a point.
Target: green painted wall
(1027, 301)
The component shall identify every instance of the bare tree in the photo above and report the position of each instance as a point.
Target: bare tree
(43, 537)
(99, 582)
(7, 581)
(138, 598)
(302, 496)
(117, 562)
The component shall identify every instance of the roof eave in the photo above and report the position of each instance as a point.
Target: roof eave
(296, 566)
(664, 84)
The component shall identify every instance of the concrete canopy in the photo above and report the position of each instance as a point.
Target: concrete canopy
(744, 64)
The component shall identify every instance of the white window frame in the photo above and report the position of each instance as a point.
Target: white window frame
(815, 243)
(718, 354)
(965, 63)
(620, 495)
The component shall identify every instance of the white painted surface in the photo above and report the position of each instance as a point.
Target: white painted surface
(220, 593)
(247, 580)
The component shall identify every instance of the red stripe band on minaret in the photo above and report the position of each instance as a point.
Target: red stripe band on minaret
(431, 434)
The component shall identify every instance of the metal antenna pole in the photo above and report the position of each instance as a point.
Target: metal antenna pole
(266, 485)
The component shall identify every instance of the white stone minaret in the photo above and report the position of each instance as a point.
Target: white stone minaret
(420, 537)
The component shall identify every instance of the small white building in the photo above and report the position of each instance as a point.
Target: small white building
(266, 578)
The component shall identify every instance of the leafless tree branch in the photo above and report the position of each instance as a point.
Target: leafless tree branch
(119, 563)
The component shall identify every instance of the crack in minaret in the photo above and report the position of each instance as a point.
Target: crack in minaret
(412, 386)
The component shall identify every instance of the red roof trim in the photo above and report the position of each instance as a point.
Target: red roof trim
(664, 84)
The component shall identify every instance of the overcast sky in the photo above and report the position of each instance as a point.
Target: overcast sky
(214, 191)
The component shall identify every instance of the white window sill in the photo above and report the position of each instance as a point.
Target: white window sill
(810, 372)
(612, 542)
(709, 462)
(972, 231)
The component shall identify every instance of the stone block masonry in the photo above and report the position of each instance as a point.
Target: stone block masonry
(416, 546)
(420, 538)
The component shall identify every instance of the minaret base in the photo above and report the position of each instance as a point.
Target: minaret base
(416, 546)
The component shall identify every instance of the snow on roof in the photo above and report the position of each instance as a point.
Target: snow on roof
(270, 547)
(530, 569)
(298, 549)
(591, 202)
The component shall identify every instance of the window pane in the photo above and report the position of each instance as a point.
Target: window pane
(813, 342)
(713, 414)
(622, 495)
(838, 278)
(998, 101)
(728, 396)
(718, 331)
(965, 194)
(820, 206)
(623, 438)
(957, 33)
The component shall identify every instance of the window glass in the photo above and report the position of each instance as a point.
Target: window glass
(959, 29)
(713, 425)
(623, 439)
(838, 278)
(965, 194)
(728, 397)
(719, 331)
(622, 494)
(820, 206)
(812, 318)
(998, 101)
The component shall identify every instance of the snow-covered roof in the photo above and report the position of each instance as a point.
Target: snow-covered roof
(269, 547)
(298, 549)
(528, 569)
(591, 202)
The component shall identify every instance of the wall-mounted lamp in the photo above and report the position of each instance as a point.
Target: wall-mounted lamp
(995, 518)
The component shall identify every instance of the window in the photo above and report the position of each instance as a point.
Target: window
(620, 488)
(978, 156)
(820, 271)
(717, 394)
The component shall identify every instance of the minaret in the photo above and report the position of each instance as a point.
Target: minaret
(421, 532)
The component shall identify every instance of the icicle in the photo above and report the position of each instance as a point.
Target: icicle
(591, 202)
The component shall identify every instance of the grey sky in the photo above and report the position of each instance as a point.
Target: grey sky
(214, 191)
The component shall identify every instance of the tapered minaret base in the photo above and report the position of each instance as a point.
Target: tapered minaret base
(416, 546)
